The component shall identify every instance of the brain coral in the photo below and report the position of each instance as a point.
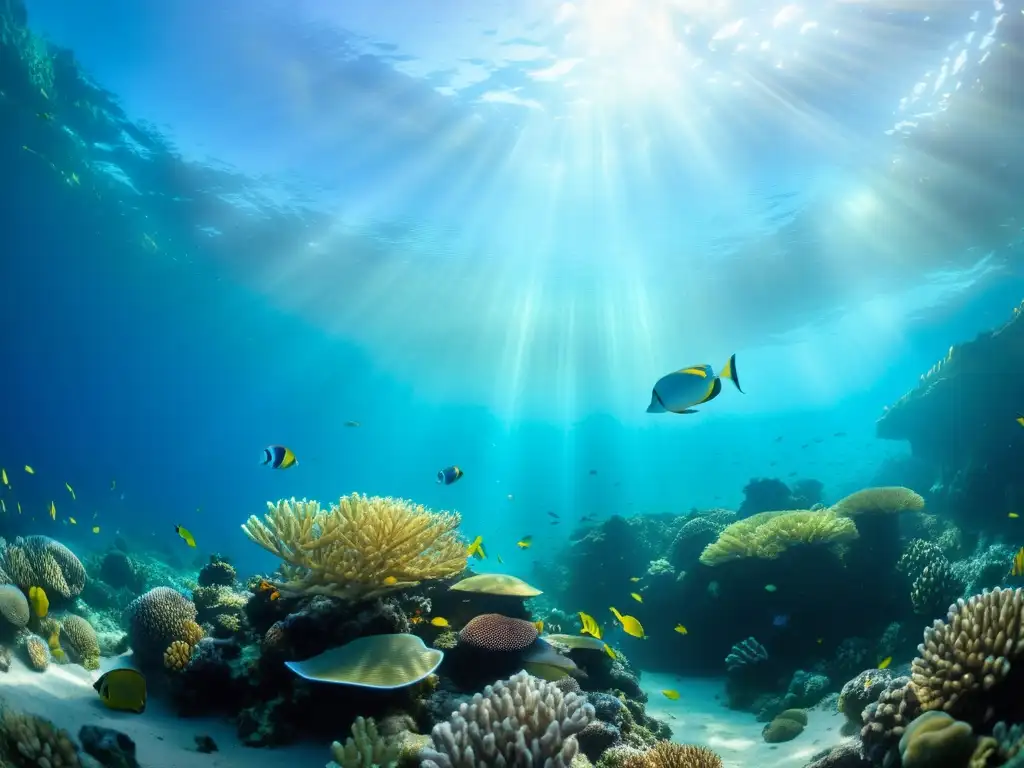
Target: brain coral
(13, 605)
(157, 619)
(965, 659)
(82, 638)
(42, 561)
(494, 632)
(37, 652)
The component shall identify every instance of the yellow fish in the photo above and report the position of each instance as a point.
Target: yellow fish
(122, 689)
(679, 391)
(590, 626)
(439, 621)
(476, 549)
(71, 491)
(1020, 419)
(610, 651)
(113, 485)
(884, 663)
(278, 457)
(185, 534)
(525, 542)
(629, 624)
(539, 625)
(668, 693)
(636, 597)
(29, 469)
(3, 476)
(19, 507)
(72, 521)
(3, 506)
(634, 579)
(1017, 569)
(95, 529)
(682, 630)
(1013, 515)
(53, 511)
(390, 581)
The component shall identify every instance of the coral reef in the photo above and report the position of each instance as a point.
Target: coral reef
(361, 547)
(769, 534)
(365, 748)
(41, 561)
(156, 620)
(82, 639)
(33, 741)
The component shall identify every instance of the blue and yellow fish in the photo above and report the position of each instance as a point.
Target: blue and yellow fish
(278, 457)
(679, 391)
(449, 475)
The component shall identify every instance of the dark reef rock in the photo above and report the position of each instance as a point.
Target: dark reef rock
(111, 748)
(846, 755)
(598, 737)
(121, 572)
(217, 573)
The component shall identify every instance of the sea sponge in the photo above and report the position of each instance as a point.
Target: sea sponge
(667, 754)
(768, 534)
(37, 652)
(83, 641)
(359, 548)
(964, 659)
(13, 605)
(40, 560)
(494, 632)
(887, 500)
(365, 748)
(177, 656)
(786, 726)
(34, 741)
(157, 619)
(934, 739)
(521, 721)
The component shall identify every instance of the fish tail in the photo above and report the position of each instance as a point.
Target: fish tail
(729, 371)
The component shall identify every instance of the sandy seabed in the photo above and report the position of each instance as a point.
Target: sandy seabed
(698, 717)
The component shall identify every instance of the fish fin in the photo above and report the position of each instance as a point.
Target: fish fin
(696, 370)
(713, 391)
(730, 372)
(688, 410)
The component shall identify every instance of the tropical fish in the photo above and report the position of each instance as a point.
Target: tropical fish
(185, 534)
(629, 624)
(95, 529)
(610, 651)
(670, 694)
(1013, 515)
(278, 457)
(634, 579)
(539, 624)
(637, 597)
(449, 475)
(770, 588)
(266, 586)
(113, 485)
(511, 497)
(781, 620)
(593, 471)
(525, 543)
(71, 491)
(390, 581)
(3, 476)
(1020, 419)
(53, 511)
(679, 391)
(476, 549)
(39, 601)
(19, 506)
(884, 663)
(3, 506)
(352, 424)
(439, 621)
(122, 689)
(72, 521)
(681, 629)
(500, 561)
(552, 514)
(1017, 569)
(29, 469)
(590, 626)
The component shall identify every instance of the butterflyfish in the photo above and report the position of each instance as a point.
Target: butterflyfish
(53, 511)
(525, 543)
(629, 624)
(19, 506)
(681, 629)
(278, 457)
(476, 549)
(590, 627)
(1017, 569)
(122, 689)
(637, 597)
(449, 475)
(679, 391)
(439, 621)
(185, 534)
(29, 469)
(670, 694)
(884, 663)
(71, 491)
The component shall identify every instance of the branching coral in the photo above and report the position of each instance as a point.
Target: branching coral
(768, 534)
(33, 741)
(359, 548)
(365, 748)
(666, 754)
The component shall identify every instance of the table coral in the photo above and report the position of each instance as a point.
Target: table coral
(768, 534)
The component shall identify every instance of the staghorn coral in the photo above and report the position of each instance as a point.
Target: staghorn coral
(13, 605)
(666, 754)
(522, 721)
(42, 561)
(33, 742)
(38, 652)
(768, 534)
(365, 748)
(157, 619)
(964, 659)
(83, 641)
(359, 548)
(494, 632)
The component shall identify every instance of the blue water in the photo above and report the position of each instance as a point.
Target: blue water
(483, 234)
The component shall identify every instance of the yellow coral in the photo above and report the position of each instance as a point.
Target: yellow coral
(769, 534)
(191, 632)
(177, 655)
(361, 547)
(879, 501)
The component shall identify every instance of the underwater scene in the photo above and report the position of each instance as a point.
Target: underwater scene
(561, 384)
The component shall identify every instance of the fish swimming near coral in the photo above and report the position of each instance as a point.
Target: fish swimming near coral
(884, 663)
(590, 626)
(449, 475)
(636, 596)
(53, 511)
(29, 470)
(670, 694)
(440, 621)
(122, 689)
(185, 534)
(1017, 567)
(71, 491)
(525, 543)
(681, 629)
(278, 457)
(679, 391)
(629, 624)
(476, 549)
